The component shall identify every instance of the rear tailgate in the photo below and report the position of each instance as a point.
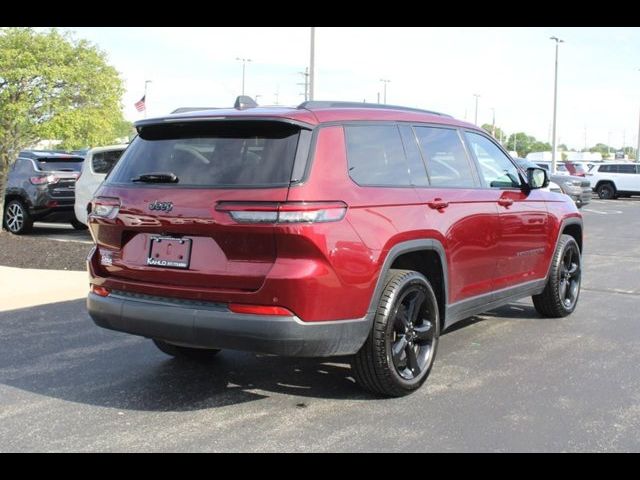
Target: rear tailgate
(171, 232)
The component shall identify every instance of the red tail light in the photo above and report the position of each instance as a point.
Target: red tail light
(100, 291)
(286, 212)
(260, 309)
(42, 180)
(105, 207)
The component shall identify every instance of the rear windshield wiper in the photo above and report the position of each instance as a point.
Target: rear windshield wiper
(160, 177)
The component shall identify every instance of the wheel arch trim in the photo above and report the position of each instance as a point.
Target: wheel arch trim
(401, 248)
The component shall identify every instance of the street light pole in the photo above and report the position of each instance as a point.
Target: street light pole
(244, 63)
(385, 81)
(312, 67)
(476, 118)
(555, 107)
(493, 128)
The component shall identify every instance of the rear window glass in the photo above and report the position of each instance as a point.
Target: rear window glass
(376, 156)
(626, 169)
(103, 162)
(247, 153)
(60, 165)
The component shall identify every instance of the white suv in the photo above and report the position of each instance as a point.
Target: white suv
(612, 180)
(97, 164)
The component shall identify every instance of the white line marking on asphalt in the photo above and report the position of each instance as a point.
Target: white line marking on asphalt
(610, 212)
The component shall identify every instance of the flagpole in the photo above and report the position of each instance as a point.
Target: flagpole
(145, 97)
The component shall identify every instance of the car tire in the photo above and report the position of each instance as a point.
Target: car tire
(606, 191)
(16, 218)
(560, 295)
(399, 352)
(78, 225)
(186, 353)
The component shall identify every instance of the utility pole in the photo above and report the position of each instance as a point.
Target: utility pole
(493, 128)
(385, 81)
(638, 145)
(378, 98)
(312, 67)
(244, 63)
(555, 107)
(306, 83)
(476, 118)
(277, 94)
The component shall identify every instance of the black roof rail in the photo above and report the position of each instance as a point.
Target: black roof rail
(317, 104)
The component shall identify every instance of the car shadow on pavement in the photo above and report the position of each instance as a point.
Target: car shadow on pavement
(56, 350)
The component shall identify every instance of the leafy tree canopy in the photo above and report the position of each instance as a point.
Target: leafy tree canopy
(53, 86)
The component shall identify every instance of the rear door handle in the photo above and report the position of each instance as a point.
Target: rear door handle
(438, 204)
(505, 202)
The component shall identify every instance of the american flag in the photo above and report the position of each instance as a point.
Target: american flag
(140, 106)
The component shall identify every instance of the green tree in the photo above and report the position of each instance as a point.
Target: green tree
(54, 86)
(498, 134)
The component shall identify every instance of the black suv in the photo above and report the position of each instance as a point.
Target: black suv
(41, 186)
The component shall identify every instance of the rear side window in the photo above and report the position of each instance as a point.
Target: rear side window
(241, 153)
(626, 169)
(376, 155)
(606, 168)
(445, 156)
(103, 162)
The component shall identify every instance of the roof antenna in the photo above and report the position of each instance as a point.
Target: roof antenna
(243, 102)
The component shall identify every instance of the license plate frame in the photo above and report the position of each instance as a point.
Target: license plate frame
(169, 252)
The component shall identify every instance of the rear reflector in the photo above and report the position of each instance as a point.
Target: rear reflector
(100, 291)
(287, 212)
(260, 310)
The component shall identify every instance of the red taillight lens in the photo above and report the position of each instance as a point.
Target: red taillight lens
(42, 180)
(105, 207)
(260, 310)
(100, 291)
(286, 212)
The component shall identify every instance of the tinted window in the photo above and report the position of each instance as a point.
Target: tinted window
(605, 168)
(60, 165)
(495, 167)
(446, 159)
(376, 155)
(246, 153)
(626, 169)
(103, 162)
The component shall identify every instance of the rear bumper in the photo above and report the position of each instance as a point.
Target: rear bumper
(582, 198)
(211, 325)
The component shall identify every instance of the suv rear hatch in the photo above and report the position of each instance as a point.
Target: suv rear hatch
(61, 173)
(169, 224)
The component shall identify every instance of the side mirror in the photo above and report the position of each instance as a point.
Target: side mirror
(537, 178)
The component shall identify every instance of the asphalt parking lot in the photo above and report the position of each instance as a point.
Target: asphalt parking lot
(504, 381)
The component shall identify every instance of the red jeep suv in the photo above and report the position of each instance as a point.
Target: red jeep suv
(333, 228)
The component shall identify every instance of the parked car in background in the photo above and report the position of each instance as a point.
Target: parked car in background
(561, 169)
(327, 229)
(98, 163)
(40, 185)
(615, 179)
(575, 169)
(578, 188)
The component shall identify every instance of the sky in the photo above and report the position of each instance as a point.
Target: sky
(512, 69)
